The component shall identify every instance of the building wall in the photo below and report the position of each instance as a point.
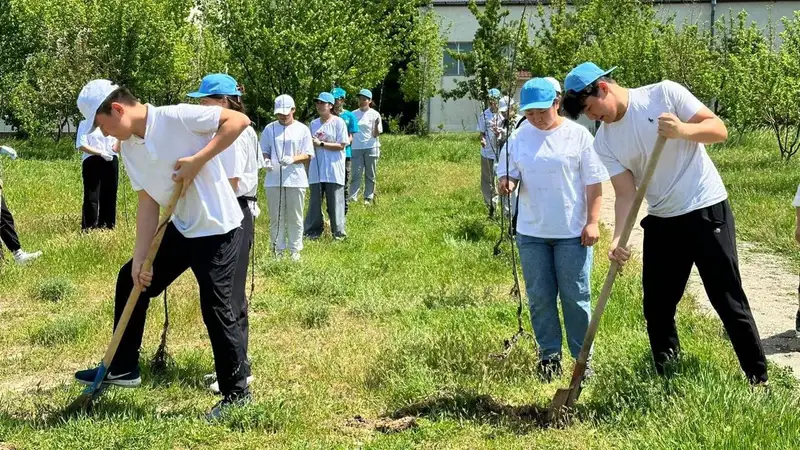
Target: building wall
(460, 115)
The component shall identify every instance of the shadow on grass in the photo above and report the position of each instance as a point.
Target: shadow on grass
(482, 408)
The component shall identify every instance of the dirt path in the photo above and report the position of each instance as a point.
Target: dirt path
(768, 281)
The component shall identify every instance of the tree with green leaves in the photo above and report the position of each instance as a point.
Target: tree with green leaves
(303, 48)
(497, 43)
(421, 79)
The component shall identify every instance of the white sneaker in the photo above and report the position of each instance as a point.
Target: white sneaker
(295, 257)
(215, 385)
(22, 257)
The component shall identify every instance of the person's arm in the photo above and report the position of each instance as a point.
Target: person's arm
(625, 191)
(691, 120)
(704, 127)
(508, 174)
(377, 128)
(90, 150)
(231, 124)
(146, 225)
(594, 202)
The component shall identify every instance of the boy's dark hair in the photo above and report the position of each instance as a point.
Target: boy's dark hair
(234, 102)
(574, 102)
(120, 95)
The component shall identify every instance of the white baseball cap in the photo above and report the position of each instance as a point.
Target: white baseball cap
(505, 103)
(92, 96)
(284, 104)
(555, 83)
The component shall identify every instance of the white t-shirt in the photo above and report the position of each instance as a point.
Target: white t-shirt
(485, 124)
(95, 140)
(278, 141)
(555, 167)
(246, 162)
(327, 166)
(364, 140)
(685, 179)
(796, 202)
(173, 132)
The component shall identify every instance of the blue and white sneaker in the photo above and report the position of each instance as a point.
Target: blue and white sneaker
(126, 380)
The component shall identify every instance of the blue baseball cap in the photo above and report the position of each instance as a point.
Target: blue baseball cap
(217, 84)
(326, 97)
(339, 93)
(365, 93)
(495, 93)
(537, 93)
(584, 75)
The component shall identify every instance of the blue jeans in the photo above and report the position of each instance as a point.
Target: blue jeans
(551, 268)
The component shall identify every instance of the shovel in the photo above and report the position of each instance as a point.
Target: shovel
(566, 397)
(97, 387)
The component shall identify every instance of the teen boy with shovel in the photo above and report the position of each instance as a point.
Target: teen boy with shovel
(162, 146)
(689, 218)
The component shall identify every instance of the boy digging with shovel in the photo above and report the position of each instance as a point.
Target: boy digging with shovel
(161, 146)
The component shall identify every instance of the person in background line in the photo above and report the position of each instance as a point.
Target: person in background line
(287, 146)
(560, 182)
(326, 170)
(339, 96)
(241, 163)
(8, 232)
(100, 169)
(366, 148)
(489, 149)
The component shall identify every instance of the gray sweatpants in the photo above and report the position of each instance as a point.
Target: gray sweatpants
(487, 181)
(365, 163)
(334, 196)
(286, 224)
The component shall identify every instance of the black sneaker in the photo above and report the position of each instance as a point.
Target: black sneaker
(549, 369)
(127, 379)
(223, 406)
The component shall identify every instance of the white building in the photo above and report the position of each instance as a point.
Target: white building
(461, 115)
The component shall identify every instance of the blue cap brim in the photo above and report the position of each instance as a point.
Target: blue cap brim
(537, 105)
(197, 95)
(322, 100)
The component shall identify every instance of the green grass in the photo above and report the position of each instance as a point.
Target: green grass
(400, 319)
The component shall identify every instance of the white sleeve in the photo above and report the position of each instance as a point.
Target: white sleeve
(266, 142)
(228, 159)
(613, 166)
(685, 105)
(511, 169)
(796, 202)
(592, 169)
(342, 136)
(380, 121)
(241, 155)
(306, 145)
(481, 123)
(199, 119)
(80, 136)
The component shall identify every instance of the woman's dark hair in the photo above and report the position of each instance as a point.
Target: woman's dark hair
(234, 102)
(120, 95)
(574, 102)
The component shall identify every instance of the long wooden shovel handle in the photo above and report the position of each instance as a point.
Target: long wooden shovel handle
(133, 298)
(605, 293)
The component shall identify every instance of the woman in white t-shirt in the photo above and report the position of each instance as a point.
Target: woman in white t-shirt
(326, 169)
(100, 169)
(366, 148)
(559, 178)
(286, 144)
(241, 162)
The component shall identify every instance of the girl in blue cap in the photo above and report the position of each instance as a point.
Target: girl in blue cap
(559, 179)
(687, 204)
(326, 169)
(339, 96)
(241, 162)
(366, 148)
